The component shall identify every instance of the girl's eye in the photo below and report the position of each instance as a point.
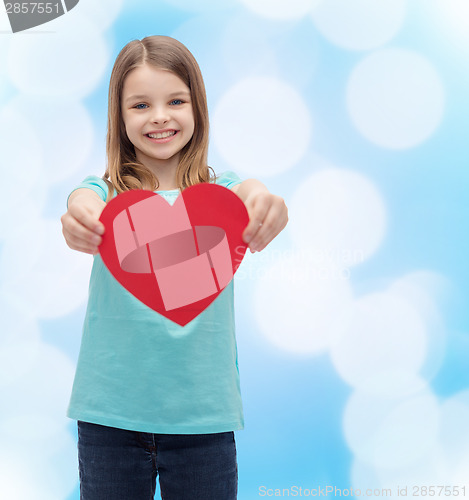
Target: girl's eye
(177, 101)
(138, 106)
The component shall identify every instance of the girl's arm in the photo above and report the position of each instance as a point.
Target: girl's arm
(80, 224)
(268, 214)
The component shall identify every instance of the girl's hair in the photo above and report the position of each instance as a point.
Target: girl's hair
(124, 171)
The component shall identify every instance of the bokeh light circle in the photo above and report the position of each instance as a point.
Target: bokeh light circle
(391, 432)
(33, 62)
(361, 24)
(202, 6)
(297, 299)
(64, 144)
(102, 14)
(454, 433)
(339, 212)
(255, 46)
(261, 126)
(22, 169)
(279, 9)
(453, 15)
(427, 291)
(380, 333)
(38, 274)
(395, 98)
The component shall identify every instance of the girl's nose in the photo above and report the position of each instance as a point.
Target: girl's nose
(160, 115)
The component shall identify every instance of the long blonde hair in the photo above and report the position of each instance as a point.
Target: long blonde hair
(124, 171)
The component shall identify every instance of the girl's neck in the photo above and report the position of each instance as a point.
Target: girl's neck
(164, 171)
(166, 188)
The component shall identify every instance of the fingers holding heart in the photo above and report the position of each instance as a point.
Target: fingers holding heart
(254, 234)
(257, 211)
(268, 216)
(81, 229)
(266, 232)
(78, 237)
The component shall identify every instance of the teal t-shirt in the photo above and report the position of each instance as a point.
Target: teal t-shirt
(138, 370)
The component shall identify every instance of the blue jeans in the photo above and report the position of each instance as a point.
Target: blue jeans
(117, 464)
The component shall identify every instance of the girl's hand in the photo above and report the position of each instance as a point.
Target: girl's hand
(80, 224)
(268, 215)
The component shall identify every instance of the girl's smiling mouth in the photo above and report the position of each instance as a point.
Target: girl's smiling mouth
(162, 136)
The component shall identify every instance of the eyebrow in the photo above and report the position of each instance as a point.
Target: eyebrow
(142, 96)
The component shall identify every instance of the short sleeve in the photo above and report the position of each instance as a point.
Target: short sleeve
(228, 179)
(94, 183)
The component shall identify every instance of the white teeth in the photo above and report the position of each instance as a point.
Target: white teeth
(161, 136)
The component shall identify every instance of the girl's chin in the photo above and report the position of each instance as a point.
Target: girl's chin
(159, 159)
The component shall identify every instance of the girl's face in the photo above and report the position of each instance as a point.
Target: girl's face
(158, 117)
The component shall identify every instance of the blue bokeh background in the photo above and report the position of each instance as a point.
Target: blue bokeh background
(356, 113)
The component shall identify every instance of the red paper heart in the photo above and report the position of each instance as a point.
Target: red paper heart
(175, 259)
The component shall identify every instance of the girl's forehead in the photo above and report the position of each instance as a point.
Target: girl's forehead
(150, 76)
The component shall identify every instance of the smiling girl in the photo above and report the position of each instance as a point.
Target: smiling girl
(153, 398)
